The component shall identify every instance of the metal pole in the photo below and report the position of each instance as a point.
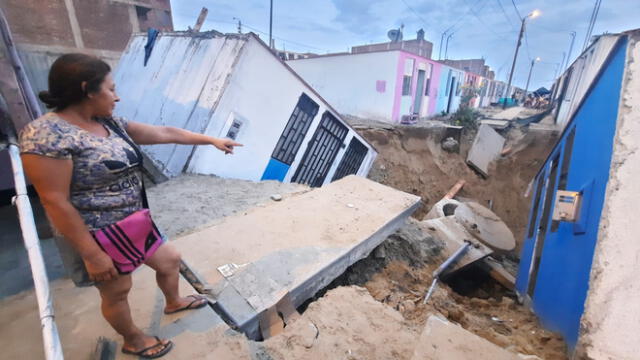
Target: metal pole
(573, 39)
(52, 346)
(513, 66)
(441, 41)
(51, 339)
(446, 50)
(526, 88)
(271, 25)
(444, 266)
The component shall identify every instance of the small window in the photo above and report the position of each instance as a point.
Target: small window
(427, 86)
(142, 13)
(406, 85)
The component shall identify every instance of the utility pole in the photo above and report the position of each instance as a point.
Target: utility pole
(271, 25)
(239, 25)
(526, 88)
(534, 14)
(573, 39)
(441, 41)
(446, 50)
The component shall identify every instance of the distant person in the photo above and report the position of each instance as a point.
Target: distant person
(86, 168)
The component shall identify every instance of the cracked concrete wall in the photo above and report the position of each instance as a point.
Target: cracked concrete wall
(610, 326)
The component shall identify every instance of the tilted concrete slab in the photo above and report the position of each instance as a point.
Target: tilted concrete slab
(292, 248)
(453, 234)
(442, 339)
(80, 322)
(486, 147)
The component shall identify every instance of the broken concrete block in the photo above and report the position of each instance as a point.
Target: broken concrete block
(276, 197)
(453, 235)
(442, 339)
(298, 245)
(486, 226)
(486, 147)
(444, 207)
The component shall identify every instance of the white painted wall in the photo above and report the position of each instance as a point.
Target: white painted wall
(610, 324)
(180, 87)
(348, 82)
(585, 69)
(264, 93)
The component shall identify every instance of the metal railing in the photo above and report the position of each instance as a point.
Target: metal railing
(8, 139)
(52, 346)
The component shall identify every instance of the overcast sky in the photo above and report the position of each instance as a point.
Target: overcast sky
(481, 28)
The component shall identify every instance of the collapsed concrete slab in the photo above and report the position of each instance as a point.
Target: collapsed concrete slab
(486, 147)
(274, 258)
(80, 322)
(442, 339)
(453, 235)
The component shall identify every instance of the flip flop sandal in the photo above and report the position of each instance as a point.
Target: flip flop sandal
(141, 353)
(191, 305)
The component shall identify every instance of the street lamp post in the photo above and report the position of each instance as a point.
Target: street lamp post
(532, 15)
(526, 88)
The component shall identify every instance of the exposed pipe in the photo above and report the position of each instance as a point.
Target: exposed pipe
(443, 267)
(52, 346)
(51, 339)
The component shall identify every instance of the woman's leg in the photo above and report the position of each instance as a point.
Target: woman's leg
(166, 262)
(115, 309)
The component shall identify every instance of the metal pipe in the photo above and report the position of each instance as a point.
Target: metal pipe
(436, 274)
(271, 25)
(51, 339)
(52, 346)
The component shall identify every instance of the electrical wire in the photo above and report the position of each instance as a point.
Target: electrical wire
(475, 14)
(516, 8)
(505, 14)
(415, 12)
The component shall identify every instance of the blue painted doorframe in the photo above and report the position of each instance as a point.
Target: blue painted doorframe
(567, 252)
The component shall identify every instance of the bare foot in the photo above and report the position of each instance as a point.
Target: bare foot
(186, 303)
(147, 346)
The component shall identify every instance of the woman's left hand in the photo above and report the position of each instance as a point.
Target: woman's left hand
(224, 144)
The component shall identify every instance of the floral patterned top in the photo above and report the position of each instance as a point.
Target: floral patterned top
(106, 181)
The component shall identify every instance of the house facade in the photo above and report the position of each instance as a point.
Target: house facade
(572, 86)
(394, 85)
(234, 86)
(579, 274)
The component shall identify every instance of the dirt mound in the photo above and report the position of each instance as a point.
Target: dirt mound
(347, 323)
(411, 159)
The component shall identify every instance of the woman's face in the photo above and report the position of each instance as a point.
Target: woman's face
(104, 101)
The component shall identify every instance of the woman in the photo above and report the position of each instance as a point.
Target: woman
(88, 177)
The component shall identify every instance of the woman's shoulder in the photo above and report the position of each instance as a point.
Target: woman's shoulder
(47, 123)
(47, 135)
